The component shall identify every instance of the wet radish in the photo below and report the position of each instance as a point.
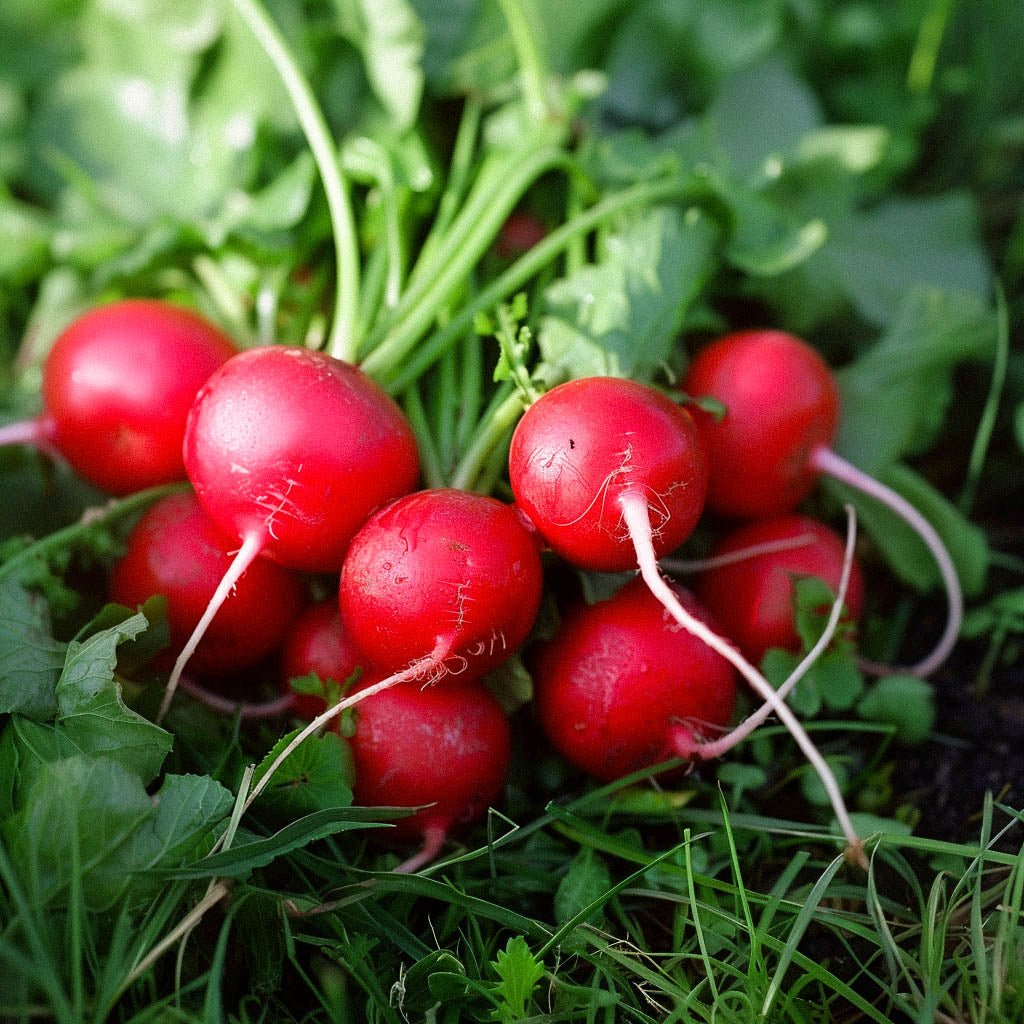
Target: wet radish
(752, 598)
(289, 451)
(768, 451)
(117, 387)
(623, 686)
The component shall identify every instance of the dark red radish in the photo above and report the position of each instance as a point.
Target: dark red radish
(584, 445)
(623, 686)
(446, 746)
(519, 234)
(768, 451)
(752, 597)
(613, 476)
(289, 451)
(117, 387)
(442, 571)
(317, 644)
(175, 550)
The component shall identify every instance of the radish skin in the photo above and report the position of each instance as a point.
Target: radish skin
(775, 441)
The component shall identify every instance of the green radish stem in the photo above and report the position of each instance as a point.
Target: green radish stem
(716, 748)
(827, 461)
(404, 358)
(343, 339)
(636, 516)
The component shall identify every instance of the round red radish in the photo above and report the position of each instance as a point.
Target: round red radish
(623, 686)
(519, 234)
(584, 445)
(752, 598)
(317, 643)
(175, 550)
(447, 746)
(117, 387)
(781, 405)
(441, 570)
(296, 448)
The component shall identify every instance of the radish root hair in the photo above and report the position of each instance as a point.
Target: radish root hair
(716, 748)
(252, 544)
(827, 461)
(635, 512)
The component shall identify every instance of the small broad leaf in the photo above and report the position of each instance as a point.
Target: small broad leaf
(906, 702)
(316, 776)
(587, 881)
(91, 712)
(814, 791)
(30, 659)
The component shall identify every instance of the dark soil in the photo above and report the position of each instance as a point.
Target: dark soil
(979, 749)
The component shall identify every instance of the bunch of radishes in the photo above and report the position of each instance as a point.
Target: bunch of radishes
(300, 463)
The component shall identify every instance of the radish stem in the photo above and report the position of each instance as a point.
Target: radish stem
(827, 461)
(638, 523)
(433, 841)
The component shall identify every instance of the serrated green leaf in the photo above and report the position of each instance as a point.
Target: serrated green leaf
(520, 972)
(895, 395)
(30, 659)
(621, 315)
(317, 776)
(92, 715)
(906, 702)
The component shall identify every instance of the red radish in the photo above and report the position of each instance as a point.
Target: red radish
(613, 476)
(438, 583)
(441, 570)
(584, 446)
(773, 443)
(622, 686)
(446, 746)
(317, 643)
(520, 233)
(117, 387)
(289, 451)
(176, 551)
(752, 598)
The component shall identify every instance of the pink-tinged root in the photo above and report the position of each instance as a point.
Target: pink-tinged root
(430, 667)
(638, 523)
(252, 545)
(433, 842)
(718, 747)
(682, 566)
(33, 432)
(827, 461)
(265, 709)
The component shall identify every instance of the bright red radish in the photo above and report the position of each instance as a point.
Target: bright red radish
(447, 746)
(441, 573)
(773, 443)
(613, 476)
(289, 451)
(752, 597)
(622, 686)
(117, 387)
(176, 551)
(587, 444)
(317, 643)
